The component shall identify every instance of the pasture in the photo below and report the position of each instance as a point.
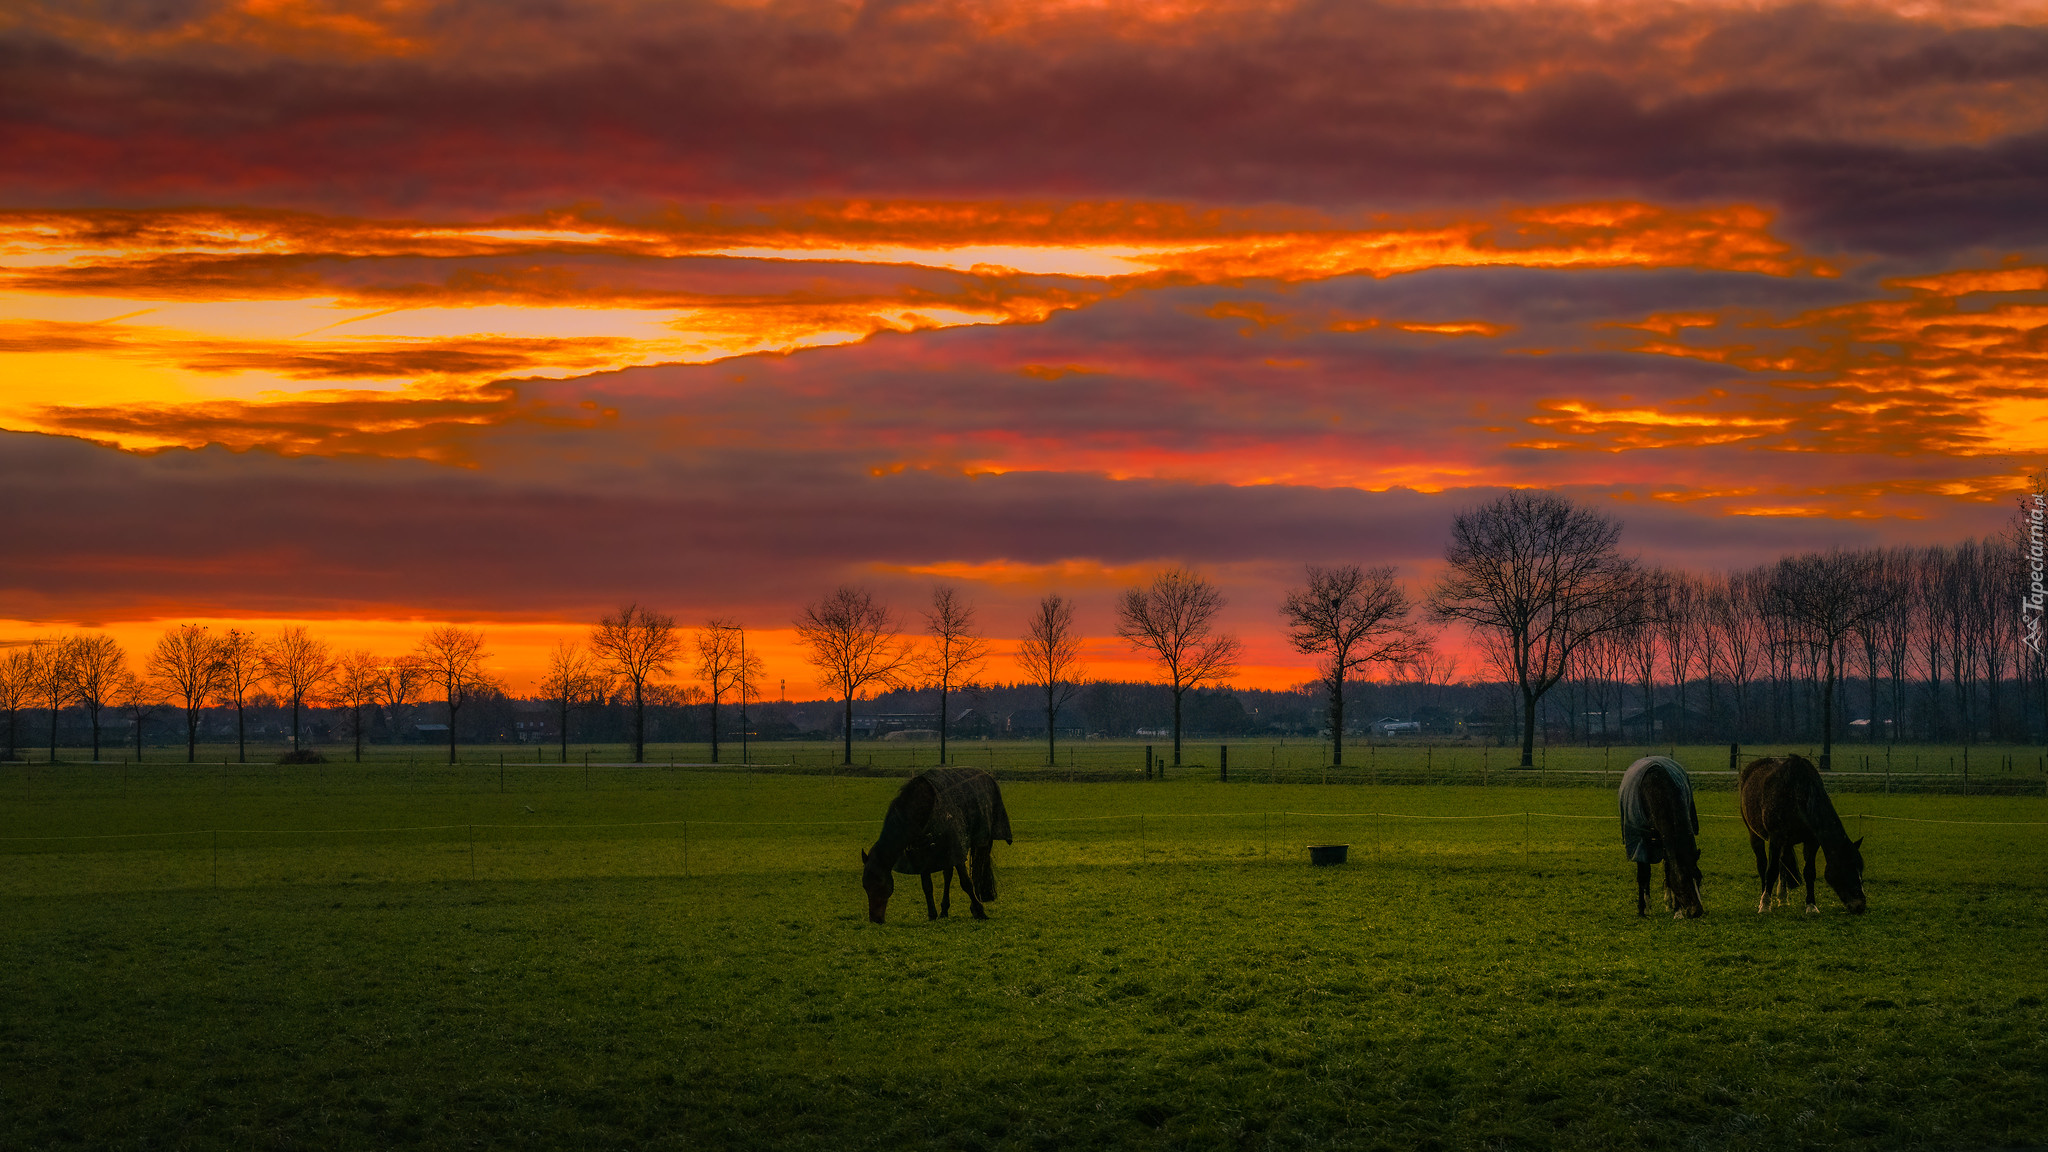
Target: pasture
(404, 955)
(1409, 760)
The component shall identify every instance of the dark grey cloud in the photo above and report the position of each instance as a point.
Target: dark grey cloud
(1873, 131)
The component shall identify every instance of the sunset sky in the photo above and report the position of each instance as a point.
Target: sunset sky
(373, 316)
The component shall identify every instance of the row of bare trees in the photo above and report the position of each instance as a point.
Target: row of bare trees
(191, 668)
(1927, 639)
(858, 644)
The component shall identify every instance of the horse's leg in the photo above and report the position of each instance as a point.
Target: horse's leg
(1642, 888)
(931, 911)
(1774, 875)
(1811, 907)
(1763, 869)
(968, 886)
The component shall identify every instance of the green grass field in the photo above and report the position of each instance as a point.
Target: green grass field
(402, 955)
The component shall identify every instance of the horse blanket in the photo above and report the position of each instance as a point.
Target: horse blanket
(967, 809)
(1638, 834)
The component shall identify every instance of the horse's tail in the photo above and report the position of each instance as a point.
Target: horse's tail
(984, 866)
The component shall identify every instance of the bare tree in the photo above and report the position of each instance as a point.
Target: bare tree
(356, 676)
(955, 653)
(186, 661)
(453, 658)
(1828, 595)
(1677, 607)
(398, 681)
(1050, 654)
(1174, 619)
(572, 680)
(1640, 648)
(300, 666)
(855, 642)
(1542, 577)
(241, 670)
(50, 660)
(724, 667)
(637, 646)
(1351, 617)
(98, 666)
(17, 691)
(141, 698)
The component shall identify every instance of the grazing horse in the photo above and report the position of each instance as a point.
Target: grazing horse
(1659, 823)
(1784, 804)
(943, 819)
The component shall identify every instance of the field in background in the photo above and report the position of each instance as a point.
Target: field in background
(674, 958)
(1858, 767)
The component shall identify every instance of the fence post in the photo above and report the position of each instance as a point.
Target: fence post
(1734, 754)
(1148, 761)
(1223, 772)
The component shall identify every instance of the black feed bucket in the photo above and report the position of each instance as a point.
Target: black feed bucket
(1321, 854)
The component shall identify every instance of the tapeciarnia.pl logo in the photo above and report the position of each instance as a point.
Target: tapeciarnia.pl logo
(2037, 562)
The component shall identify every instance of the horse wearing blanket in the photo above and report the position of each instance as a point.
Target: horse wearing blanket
(943, 820)
(1659, 823)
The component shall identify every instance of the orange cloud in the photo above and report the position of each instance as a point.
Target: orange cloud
(239, 302)
(413, 423)
(1945, 370)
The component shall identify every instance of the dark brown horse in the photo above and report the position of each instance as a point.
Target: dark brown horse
(943, 819)
(1659, 823)
(1785, 804)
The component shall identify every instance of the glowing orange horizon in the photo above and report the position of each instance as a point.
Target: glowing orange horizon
(520, 650)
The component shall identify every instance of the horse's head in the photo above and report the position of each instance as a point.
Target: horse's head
(1683, 877)
(1844, 873)
(879, 882)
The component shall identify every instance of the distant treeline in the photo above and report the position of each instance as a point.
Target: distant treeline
(1578, 642)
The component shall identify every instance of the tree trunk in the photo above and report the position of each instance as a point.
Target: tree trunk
(639, 726)
(848, 732)
(241, 734)
(357, 712)
(54, 709)
(1177, 692)
(1528, 729)
(714, 727)
(451, 731)
(1050, 714)
(942, 724)
(565, 730)
(1337, 720)
(295, 722)
(92, 715)
(191, 736)
(1827, 719)
(138, 738)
